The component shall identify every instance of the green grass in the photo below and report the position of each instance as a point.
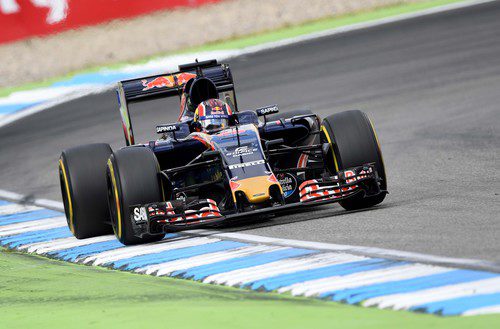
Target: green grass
(268, 36)
(43, 293)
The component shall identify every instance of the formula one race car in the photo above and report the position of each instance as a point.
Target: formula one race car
(217, 164)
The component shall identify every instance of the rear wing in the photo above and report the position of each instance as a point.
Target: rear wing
(171, 84)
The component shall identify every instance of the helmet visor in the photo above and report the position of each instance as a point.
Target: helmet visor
(211, 124)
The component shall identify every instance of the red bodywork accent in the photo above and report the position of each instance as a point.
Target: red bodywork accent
(311, 191)
(234, 185)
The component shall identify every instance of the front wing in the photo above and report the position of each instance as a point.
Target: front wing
(176, 215)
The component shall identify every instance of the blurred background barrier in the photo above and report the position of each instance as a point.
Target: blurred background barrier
(20, 19)
(160, 32)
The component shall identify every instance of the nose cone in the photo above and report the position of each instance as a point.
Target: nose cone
(256, 189)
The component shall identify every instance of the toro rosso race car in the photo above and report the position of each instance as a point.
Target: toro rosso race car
(216, 164)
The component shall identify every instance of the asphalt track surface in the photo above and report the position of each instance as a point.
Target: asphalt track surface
(431, 86)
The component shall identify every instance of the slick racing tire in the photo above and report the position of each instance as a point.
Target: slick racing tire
(354, 143)
(82, 175)
(133, 179)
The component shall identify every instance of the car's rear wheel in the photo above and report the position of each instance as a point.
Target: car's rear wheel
(82, 175)
(353, 143)
(133, 179)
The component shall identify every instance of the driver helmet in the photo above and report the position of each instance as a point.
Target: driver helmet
(212, 114)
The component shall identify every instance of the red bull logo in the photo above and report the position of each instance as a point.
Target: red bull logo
(158, 83)
(183, 78)
(168, 81)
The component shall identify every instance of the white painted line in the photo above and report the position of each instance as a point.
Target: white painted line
(16, 208)
(63, 243)
(483, 310)
(407, 300)
(290, 265)
(31, 226)
(40, 94)
(8, 119)
(205, 259)
(145, 249)
(356, 250)
(25, 199)
(50, 204)
(396, 273)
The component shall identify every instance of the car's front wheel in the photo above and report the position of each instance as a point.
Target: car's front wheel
(354, 143)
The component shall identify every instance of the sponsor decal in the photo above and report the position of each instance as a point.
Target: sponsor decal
(181, 196)
(267, 110)
(166, 128)
(158, 83)
(20, 19)
(349, 173)
(217, 110)
(139, 214)
(169, 81)
(241, 151)
(288, 183)
(57, 9)
(220, 115)
(247, 164)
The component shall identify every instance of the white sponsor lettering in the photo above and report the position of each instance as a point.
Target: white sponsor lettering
(58, 9)
(242, 150)
(268, 110)
(166, 129)
(140, 214)
(247, 164)
(288, 183)
(8, 7)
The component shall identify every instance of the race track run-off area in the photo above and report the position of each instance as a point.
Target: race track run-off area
(337, 276)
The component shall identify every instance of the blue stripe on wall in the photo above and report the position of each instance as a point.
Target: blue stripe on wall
(200, 272)
(357, 295)
(458, 306)
(169, 255)
(15, 241)
(72, 254)
(283, 280)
